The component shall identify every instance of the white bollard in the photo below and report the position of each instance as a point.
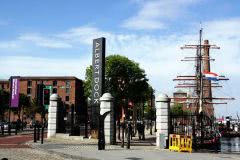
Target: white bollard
(106, 104)
(162, 120)
(52, 115)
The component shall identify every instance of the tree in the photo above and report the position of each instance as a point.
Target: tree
(24, 104)
(87, 84)
(4, 102)
(124, 79)
(177, 109)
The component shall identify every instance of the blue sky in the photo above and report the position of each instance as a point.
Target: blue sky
(55, 38)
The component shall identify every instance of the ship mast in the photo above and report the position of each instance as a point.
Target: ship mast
(200, 72)
(203, 99)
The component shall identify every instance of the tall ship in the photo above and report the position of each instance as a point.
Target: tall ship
(198, 104)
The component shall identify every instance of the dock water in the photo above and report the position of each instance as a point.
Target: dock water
(230, 145)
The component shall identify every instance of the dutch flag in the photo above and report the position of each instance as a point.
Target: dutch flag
(211, 76)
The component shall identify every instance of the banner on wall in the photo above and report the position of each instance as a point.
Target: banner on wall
(15, 87)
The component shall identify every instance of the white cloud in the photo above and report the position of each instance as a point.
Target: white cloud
(224, 28)
(83, 35)
(10, 44)
(225, 34)
(158, 55)
(154, 14)
(48, 42)
(36, 66)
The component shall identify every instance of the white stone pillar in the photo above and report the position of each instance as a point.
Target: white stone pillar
(162, 119)
(52, 115)
(106, 104)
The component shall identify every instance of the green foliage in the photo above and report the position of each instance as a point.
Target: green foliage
(4, 102)
(177, 109)
(123, 78)
(149, 112)
(24, 100)
(29, 107)
(35, 108)
(87, 84)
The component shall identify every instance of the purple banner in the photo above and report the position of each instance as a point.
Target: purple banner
(15, 84)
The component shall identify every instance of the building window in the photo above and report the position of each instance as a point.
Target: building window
(54, 90)
(2, 86)
(54, 83)
(29, 83)
(68, 87)
(67, 98)
(67, 90)
(29, 90)
(67, 84)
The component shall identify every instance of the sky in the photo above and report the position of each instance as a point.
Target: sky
(54, 38)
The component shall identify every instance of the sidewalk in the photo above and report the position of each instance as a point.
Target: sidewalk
(143, 150)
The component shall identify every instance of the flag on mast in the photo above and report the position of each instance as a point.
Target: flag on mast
(211, 76)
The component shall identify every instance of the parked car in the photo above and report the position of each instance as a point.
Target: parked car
(5, 125)
(1, 125)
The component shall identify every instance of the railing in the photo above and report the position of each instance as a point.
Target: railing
(199, 126)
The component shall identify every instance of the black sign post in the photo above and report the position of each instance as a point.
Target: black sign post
(98, 66)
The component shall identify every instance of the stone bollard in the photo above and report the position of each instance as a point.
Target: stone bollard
(162, 120)
(129, 134)
(52, 115)
(38, 131)
(2, 128)
(123, 129)
(16, 131)
(42, 135)
(106, 104)
(35, 133)
(9, 129)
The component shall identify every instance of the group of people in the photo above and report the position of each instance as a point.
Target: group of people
(140, 129)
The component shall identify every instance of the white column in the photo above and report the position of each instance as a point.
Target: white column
(162, 119)
(52, 115)
(106, 104)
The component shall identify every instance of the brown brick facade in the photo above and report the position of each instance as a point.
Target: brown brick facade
(70, 89)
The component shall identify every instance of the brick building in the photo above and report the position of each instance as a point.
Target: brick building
(70, 89)
(180, 97)
(4, 84)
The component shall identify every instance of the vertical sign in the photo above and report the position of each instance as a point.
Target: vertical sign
(98, 68)
(15, 84)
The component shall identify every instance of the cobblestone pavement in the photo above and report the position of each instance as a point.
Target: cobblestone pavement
(29, 154)
(139, 151)
(60, 149)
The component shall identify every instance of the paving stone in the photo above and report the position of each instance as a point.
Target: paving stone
(28, 154)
